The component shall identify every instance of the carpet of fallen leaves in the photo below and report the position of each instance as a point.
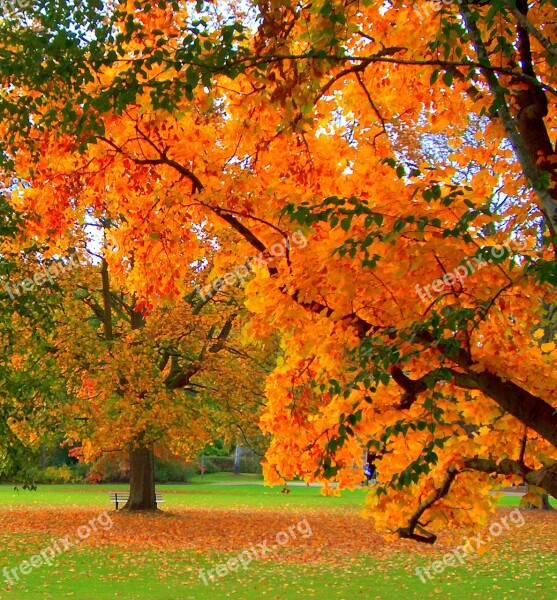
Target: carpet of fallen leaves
(333, 536)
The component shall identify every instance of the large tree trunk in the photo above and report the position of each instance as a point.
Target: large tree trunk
(142, 479)
(545, 503)
(544, 498)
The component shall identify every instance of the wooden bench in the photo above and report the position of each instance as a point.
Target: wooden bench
(122, 497)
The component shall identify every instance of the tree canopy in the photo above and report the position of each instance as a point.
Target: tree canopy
(389, 170)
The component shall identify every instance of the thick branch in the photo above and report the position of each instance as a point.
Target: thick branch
(527, 161)
(181, 378)
(413, 387)
(223, 335)
(426, 537)
(527, 25)
(107, 303)
(530, 410)
(545, 478)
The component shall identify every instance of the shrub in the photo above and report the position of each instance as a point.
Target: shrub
(110, 468)
(174, 472)
(63, 474)
(213, 450)
(210, 465)
(58, 457)
(80, 470)
(251, 464)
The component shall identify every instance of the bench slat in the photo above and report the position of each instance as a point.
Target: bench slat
(122, 497)
(126, 495)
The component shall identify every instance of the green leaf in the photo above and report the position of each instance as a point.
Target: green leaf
(346, 222)
(448, 79)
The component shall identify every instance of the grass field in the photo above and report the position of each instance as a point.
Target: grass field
(334, 555)
(219, 490)
(247, 492)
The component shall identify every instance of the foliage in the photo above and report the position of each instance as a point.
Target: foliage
(250, 464)
(215, 448)
(169, 472)
(52, 474)
(28, 374)
(405, 149)
(215, 465)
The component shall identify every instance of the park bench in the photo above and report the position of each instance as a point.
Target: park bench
(122, 497)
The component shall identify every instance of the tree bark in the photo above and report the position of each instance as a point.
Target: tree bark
(545, 502)
(43, 457)
(142, 479)
(236, 467)
(526, 132)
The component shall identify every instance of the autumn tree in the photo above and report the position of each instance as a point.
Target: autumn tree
(30, 387)
(144, 376)
(410, 314)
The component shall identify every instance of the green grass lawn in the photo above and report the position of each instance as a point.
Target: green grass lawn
(219, 490)
(115, 571)
(207, 494)
(94, 574)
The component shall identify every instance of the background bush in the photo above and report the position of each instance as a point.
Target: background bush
(63, 474)
(210, 465)
(173, 472)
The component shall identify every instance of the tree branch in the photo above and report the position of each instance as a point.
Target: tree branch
(527, 25)
(527, 162)
(409, 532)
(545, 478)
